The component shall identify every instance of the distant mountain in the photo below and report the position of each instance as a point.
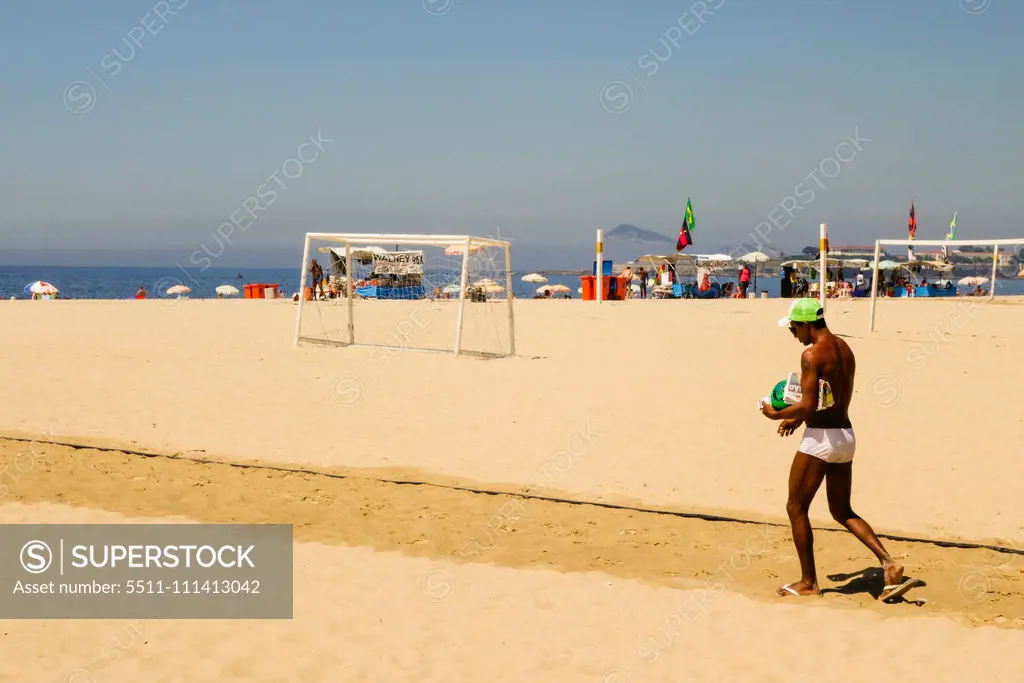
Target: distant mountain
(631, 234)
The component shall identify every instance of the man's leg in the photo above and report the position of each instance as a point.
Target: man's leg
(804, 479)
(838, 483)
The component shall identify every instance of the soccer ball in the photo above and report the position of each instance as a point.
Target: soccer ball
(777, 396)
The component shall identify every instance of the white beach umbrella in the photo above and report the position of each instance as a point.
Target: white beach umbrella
(489, 286)
(179, 289)
(459, 249)
(535, 278)
(755, 257)
(227, 290)
(559, 289)
(972, 280)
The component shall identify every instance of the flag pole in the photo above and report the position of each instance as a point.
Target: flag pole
(823, 245)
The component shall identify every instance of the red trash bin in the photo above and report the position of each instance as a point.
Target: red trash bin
(589, 284)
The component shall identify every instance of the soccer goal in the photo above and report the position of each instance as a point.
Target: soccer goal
(1002, 262)
(450, 293)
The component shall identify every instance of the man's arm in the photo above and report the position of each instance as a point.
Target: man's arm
(808, 392)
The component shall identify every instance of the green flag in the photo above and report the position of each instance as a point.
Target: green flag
(952, 228)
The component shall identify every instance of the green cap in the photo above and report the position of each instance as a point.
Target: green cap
(803, 311)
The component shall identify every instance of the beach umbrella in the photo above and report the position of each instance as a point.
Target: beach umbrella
(227, 290)
(560, 289)
(755, 257)
(451, 289)
(40, 287)
(179, 290)
(972, 280)
(536, 278)
(489, 286)
(459, 249)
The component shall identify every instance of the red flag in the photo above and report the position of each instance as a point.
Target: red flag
(912, 224)
(685, 239)
(685, 236)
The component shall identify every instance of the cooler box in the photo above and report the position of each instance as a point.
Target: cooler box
(589, 284)
(248, 291)
(612, 288)
(270, 292)
(257, 291)
(615, 288)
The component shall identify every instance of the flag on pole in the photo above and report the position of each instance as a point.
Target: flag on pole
(951, 235)
(685, 238)
(912, 229)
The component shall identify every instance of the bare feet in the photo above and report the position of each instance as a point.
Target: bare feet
(800, 588)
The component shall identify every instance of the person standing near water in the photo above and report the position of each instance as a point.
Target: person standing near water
(744, 281)
(827, 449)
(317, 273)
(141, 294)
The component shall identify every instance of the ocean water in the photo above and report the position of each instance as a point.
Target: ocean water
(122, 283)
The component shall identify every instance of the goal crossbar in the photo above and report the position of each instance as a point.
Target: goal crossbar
(466, 242)
(949, 244)
(423, 240)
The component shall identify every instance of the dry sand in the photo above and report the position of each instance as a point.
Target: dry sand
(638, 403)
(649, 403)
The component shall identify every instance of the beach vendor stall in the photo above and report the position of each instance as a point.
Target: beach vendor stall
(912, 280)
(686, 276)
(395, 275)
(803, 276)
(377, 273)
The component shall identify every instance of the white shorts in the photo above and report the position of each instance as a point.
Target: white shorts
(830, 445)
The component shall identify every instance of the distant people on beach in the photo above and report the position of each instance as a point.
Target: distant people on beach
(744, 281)
(316, 272)
(627, 275)
(642, 274)
(141, 294)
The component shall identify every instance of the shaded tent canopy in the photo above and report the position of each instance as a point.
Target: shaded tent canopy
(845, 263)
(699, 260)
(359, 254)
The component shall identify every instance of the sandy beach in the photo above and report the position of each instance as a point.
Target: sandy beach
(644, 405)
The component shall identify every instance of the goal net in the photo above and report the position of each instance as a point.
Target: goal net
(964, 267)
(408, 292)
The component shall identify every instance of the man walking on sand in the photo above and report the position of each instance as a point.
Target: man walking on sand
(827, 449)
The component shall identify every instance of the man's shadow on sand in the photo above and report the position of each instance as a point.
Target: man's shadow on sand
(870, 581)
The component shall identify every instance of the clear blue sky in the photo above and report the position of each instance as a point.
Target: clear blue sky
(491, 113)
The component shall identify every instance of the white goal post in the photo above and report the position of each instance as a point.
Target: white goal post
(950, 244)
(434, 270)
